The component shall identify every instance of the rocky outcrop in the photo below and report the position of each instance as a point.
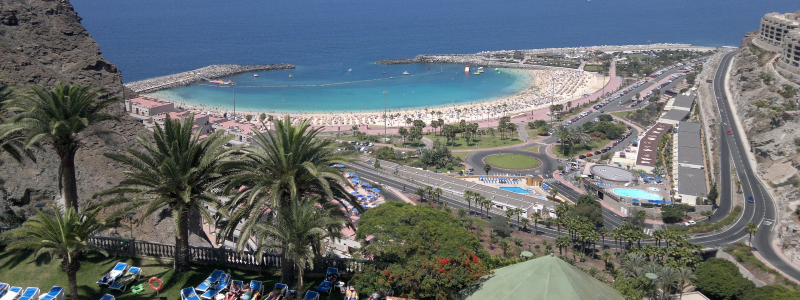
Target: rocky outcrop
(772, 123)
(43, 42)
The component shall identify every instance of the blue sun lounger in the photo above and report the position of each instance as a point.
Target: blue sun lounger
(331, 277)
(108, 297)
(211, 281)
(311, 295)
(115, 273)
(256, 287)
(189, 294)
(31, 293)
(12, 293)
(4, 288)
(56, 293)
(121, 283)
(221, 285)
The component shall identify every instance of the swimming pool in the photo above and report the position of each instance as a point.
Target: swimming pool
(637, 194)
(516, 189)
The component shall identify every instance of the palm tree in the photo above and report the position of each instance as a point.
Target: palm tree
(177, 171)
(536, 217)
(668, 277)
(468, 195)
(60, 117)
(11, 144)
(751, 230)
(685, 276)
(421, 193)
(284, 164)
(438, 193)
(64, 236)
(487, 168)
(299, 231)
(505, 246)
(525, 223)
(562, 242)
(606, 257)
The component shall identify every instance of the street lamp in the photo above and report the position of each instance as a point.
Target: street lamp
(130, 218)
(385, 117)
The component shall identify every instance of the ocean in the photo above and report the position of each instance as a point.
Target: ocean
(148, 38)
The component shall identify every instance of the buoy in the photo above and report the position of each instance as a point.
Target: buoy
(160, 283)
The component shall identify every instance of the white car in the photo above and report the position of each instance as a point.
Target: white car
(690, 223)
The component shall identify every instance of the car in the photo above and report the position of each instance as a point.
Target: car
(729, 132)
(602, 111)
(750, 199)
(690, 223)
(589, 154)
(597, 153)
(581, 156)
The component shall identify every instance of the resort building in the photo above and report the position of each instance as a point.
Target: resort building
(688, 169)
(648, 146)
(243, 132)
(143, 108)
(780, 33)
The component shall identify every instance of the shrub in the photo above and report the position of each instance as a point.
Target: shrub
(500, 226)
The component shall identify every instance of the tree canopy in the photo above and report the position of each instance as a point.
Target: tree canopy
(720, 279)
(428, 253)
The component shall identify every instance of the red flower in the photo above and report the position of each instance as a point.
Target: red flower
(441, 270)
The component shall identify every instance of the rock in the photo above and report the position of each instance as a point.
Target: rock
(8, 17)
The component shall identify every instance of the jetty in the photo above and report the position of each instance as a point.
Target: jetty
(208, 73)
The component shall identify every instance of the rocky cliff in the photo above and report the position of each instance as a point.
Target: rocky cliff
(43, 41)
(772, 122)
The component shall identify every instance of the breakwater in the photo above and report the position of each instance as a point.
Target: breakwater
(515, 58)
(185, 78)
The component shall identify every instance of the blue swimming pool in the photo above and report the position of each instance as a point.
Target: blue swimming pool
(516, 189)
(637, 194)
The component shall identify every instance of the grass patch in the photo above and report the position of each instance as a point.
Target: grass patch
(512, 161)
(534, 149)
(620, 114)
(593, 146)
(462, 155)
(21, 269)
(593, 68)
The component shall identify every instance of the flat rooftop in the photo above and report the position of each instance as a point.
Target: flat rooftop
(692, 181)
(148, 102)
(690, 149)
(610, 173)
(676, 115)
(648, 145)
(683, 101)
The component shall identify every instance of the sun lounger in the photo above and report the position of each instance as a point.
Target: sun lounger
(108, 297)
(31, 293)
(189, 294)
(211, 281)
(121, 284)
(221, 285)
(56, 293)
(278, 292)
(12, 293)
(325, 286)
(257, 289)
(116, 272)
(4, 288)
(311, 295)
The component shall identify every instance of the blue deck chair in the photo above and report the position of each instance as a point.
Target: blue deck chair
(31, 293)
(189, 294)
(4, 288)
(311, 295)
(108, 297)
(122, 283)
(12, 293)
(56, 293)
(112, 275)
(210, 281)
(221, 286)
(256, 286)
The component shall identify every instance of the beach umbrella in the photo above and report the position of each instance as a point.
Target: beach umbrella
(353, 193)
(527, 254)
(376, 190)
(635, 200)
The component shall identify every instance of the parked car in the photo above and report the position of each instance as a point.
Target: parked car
(597, 153)
(581, 156)
(690, 223)
(589, 154)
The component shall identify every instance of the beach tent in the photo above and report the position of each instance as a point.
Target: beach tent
(635, 200)
(376, 190)
(546, 277)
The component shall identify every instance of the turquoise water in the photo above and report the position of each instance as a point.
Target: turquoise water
(516, 189)
(359, 90)
(637, 194)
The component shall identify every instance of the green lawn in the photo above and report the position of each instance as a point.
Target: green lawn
(593, 68)
(621, 114)
(534, 149)
(21, 269)
(594, 145)
(512, 161)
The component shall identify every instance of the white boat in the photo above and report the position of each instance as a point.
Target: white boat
(350, 70)
(255, 75)
(406, 73)
(466, 69)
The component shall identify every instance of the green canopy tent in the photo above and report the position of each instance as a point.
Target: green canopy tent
(546, 277)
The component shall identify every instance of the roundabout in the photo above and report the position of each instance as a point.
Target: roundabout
(512, 161)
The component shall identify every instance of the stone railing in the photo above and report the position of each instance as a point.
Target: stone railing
(215, 256)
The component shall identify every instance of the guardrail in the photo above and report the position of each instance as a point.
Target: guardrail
(216, 256)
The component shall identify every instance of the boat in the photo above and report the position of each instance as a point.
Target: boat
(476, 73)
(222, 82)
(384, 73)
(406, 73)
(429, 68)
(255, 75)
(390, 77)
(290, 75)
(466, 69)
(480, 69)
(350, 70)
